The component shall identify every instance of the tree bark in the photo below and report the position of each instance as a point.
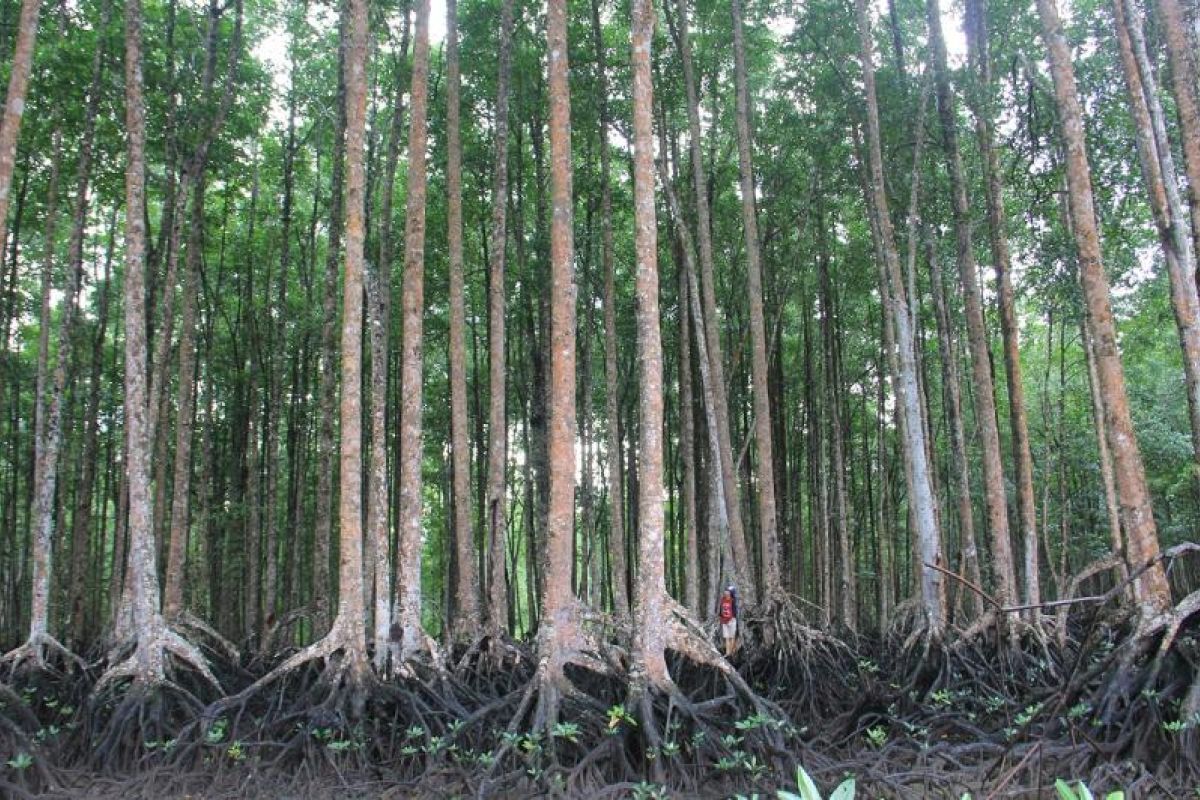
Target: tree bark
(616, 494)
(964, 506)
(732, 502)
(767, 522)
(920, 487)
(687, 444)
(559, 627)
(1176, 245)
(1152, 592)
(47, 434)
(1183, 86)
(977, 41)
(650, 622)
(323, 529)
(14, 104)
(497, 500)
(81, 520)
(380, 308)
(349, 627)
(466, 598)
(1004, 575)
(1111, 506)
(408, 564)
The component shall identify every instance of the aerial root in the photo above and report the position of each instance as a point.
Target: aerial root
(275, 627)
(31, 656)
(189, 620)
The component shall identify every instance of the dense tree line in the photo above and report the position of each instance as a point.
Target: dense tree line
(557, 324)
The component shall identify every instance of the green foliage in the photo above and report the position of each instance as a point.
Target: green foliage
(20, 762)
(1081, 792)
(806, 789)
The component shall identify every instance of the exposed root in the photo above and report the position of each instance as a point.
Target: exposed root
(147, 663)
(190, 621)
(275, 628)
(32, 656)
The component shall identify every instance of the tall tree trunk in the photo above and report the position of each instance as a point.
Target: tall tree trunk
(81, 530)
(772, 584)
(687, 445)
(652, 608)
(497, 500)
(408, 564)
(185, 414)
(732, 503)
(349, 627)
(146, 665)
(1176, 245)
(279, 352)
(948, 355)
(1111, 506)
(616, 495)
(718, 522)
(380, 309)
(323, 529)
(847, 590)
(920, 489)
(559, 630)
(466, 598)
(1151, 589)
(977, 40)
(14, 104)
(1004, 574)
(1183, 85)
(47, 434)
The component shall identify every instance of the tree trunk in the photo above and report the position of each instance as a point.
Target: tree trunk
(349, 627)
(847, 590)
(380, 290)
(14, 104)
(732, 503)
(408, 565)
(1176, 246)
(691, 567)
(1183, 86)
(1005, 589)
(652, 609)
(323, 529)
(496, 504)
(721, 556)
(920, 488)
(1151, 589)
(81, 520)
(559, 629)
(772, 584)
(977, 41)
(47, 434)
(948, 355)
(616, 496)
(1111, 506)
(466, 599)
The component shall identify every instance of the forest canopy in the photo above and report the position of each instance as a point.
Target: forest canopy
(374, 361)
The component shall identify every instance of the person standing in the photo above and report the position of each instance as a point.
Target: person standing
(727, 613)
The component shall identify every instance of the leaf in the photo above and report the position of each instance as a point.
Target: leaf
(845, 791)
(805, 785)
(1117, 795)
(1065, 792)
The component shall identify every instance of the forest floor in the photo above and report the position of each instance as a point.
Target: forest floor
(905, 720)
